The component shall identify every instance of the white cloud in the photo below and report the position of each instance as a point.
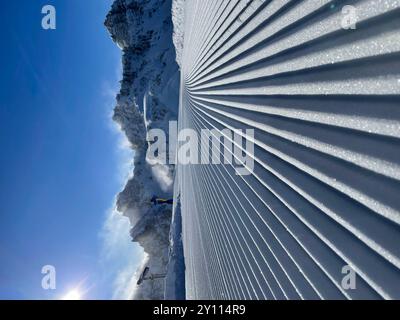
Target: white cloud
(120, 257)
(125, 286)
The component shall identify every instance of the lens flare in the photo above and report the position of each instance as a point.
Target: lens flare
(72, 295)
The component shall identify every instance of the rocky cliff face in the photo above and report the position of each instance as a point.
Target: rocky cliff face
(148, 99)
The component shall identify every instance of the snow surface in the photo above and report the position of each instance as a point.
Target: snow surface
(175, 279)
(323, 196)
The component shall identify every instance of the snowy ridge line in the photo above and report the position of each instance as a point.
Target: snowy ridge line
(374, 263)
(288, 293)
(269, 17)
(286, 275)
(325, 79)
(271, 251)
(323, 194)
(291, 28)
(265, 15)
(214, 13)
(359, 220)
(309, 109)
(229, 14)
(336, 297)
(322, 167)
(238, 245)
(248, 14)
(338, 46)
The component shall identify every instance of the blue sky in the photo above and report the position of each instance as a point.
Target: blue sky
(60, 161)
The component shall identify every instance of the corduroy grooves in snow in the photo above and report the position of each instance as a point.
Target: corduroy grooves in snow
(323, 199)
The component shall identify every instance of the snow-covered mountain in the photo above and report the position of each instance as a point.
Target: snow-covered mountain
(148, 98)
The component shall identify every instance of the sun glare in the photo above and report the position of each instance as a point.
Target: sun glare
(73, 295)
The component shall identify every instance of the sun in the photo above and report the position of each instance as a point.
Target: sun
(72, 295)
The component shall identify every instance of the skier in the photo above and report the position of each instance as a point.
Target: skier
(156, 201)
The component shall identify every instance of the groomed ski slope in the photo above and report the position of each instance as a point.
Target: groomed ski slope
(324, 102)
